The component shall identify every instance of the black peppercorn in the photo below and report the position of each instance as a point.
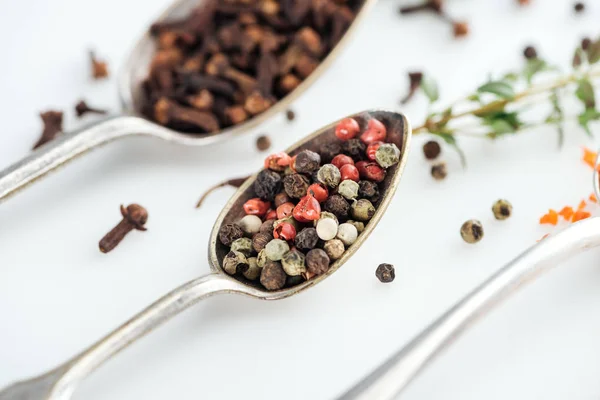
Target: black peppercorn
(579, 7)
(307, 162)
(317, 261)
(229, 233)
(294, 280)
(530, 52)
(267, 226)
(295, 185)
(385, 273)
(337, 205)
(355, 148)
(307, 239)
(290, 115)
(329, 150)
(267, 184)
(263, 143)
(273, 276)
(432, 150)
(281, 198)
(260, 240)
(368, 190)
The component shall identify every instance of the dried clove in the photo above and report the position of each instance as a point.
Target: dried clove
(415, 79)
(82, 108)
(134, 217)
(52, 121)
(235, 182)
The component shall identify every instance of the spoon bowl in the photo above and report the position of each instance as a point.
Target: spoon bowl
(131, 123)
(60, 383)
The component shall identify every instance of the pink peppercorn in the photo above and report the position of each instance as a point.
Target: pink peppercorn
(371, 171)
(347, 129)
(277, 161)
(307, 209)
(349, 172)
(257, 207)
(342, 159)
(319, 191)
(271, 214)
(372, 149)
(285, 231)
(376, 132)
(285, 210)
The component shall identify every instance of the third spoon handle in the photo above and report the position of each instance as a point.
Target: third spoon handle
(388, 380)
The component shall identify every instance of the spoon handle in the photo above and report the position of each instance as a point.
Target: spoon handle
(65, 148)
(60, 383)
(390, 378)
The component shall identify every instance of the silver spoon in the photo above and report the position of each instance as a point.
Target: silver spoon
(60, 383)
(130, 122)
(388, 380)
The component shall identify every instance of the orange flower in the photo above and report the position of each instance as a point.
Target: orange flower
(550, 218)
(579, 215)
(593, 198)
(589, 157)
(567, 212)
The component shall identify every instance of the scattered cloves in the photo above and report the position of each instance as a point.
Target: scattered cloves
(415, 79)
(134, 217)
(235, 182)
(82, 108)
(52, 121)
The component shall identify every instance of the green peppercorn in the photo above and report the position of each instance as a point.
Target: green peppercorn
(385, 273)
(267, 226)
(438, 171)
(307, 239)
(260, 240)
(334, 248)
(267, 184)
(317, 261)
(253, 271)
(387, 154)
(472, 231)
(235, 261)
(362, 210)
(243, 245)
(337, 205)
(230, 232)
(272, 276)
(329, 175)
(502, 209)
(348, 189)
(307, 162)
(295, 185)
(276, 248)
(347, 233)
(360, 226)
(262, 259)
(293, 263)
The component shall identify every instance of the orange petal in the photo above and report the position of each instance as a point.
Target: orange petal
(579, 215)
(550, 218)
(593, 198)
(589, 157)
(543, 237)
(566, 212)
(581, 205)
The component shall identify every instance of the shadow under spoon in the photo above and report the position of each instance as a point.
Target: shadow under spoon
(60, 383)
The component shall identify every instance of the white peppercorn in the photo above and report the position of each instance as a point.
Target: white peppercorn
(293, 263)
(243, 245)
(276, 248)
(362, 210)
(327, 229)
(253, 271)
(329, 175)
(387, 154)
(347, 233)
(234, 261)
(334, 248)
(348, 188)
(325, 214)
(250, 224)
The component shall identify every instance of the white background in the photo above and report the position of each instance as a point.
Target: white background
(58, 293)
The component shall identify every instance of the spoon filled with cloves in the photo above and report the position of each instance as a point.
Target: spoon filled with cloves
(207, 71)
(287, 228)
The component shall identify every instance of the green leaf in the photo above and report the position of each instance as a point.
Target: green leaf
(511, 77)
(430, 88)
(499, 88)
(578, 57)
(584, 119)
(585, 93)
(500, 127)
(450, 139)
(534, 66)
(593, 52)
(474, 97)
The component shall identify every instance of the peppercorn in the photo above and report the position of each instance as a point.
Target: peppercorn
(329, 175)
(287, 220)
(278, 161)
(585, 43)
(256, 207)
(502, 209)
(471, 231)
(375, 132)
(290, 115)
(276, 248)
(438, 171)
(368, 190)
(530, 52)
(306, 162)
(285, 231)
(253, 271)
(337, 205)
(372, 150)
(263, 143)
(267, 226)
(260, 240)
(294, 280)
(334, 248)
(243, 245)
(348, 189)
(349, 172)
(387, 155)
(250, 224)
(460, 29)
(341, 159)
(293, 263)
(317, 261)
(385, 273)
(307, 239)
(295, 185)
(329, 150)
(307, 209)
(360, 226)
(272, 276)
(318, 191)
(288, 171)
(262, 259)
(362, 210)
(354, 148)
(579, 7)
(347, 233)
(347, 129)
(235, 261)
(271, 214)
(327, 228)
(281, 198)
(432, 150)
(230, 232)
(285, 210)
(267, 184)
(371, 171)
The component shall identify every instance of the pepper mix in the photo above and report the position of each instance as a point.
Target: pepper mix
(310, 207)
